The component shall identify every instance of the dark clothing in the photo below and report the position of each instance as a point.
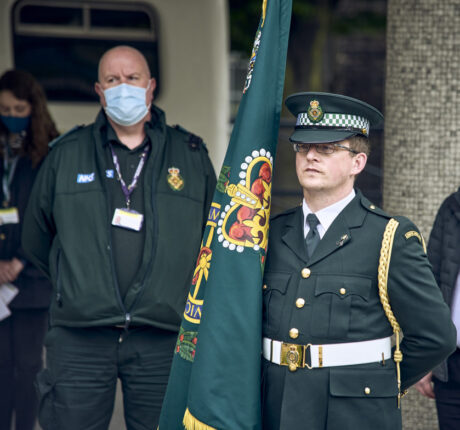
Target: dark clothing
(85, 387)
(69, 234)
(448, 395)
(342, 304)
(127, 245)
(35, 288)
(67, 229)
(22, 333)
(21, 340)
(444, 255)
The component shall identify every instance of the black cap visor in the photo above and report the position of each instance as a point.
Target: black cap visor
(320, 135)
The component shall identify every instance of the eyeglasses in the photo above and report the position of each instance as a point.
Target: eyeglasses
(321, 148)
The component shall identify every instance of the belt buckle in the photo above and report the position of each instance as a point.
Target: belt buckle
(293, 355)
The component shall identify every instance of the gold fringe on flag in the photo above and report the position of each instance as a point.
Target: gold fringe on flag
(264, 12)
(191, 423)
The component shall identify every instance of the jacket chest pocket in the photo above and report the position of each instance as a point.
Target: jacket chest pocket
(274, 292)
(338, 302)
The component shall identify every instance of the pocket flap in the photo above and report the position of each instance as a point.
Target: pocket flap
(348, 382)
(276, 281)
(343, 286)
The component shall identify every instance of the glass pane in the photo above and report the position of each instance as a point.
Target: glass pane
(67, 67)
(51, 15)
(120, 19)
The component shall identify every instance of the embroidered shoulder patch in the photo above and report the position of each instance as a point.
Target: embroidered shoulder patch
(413, 233)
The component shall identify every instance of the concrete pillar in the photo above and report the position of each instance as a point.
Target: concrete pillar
(422, 127)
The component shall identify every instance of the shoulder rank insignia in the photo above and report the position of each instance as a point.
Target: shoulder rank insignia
(175, 180)
(413, 233)
(315, 112)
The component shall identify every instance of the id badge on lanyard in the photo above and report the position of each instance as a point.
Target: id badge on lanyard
(9, 216)
(127, 217)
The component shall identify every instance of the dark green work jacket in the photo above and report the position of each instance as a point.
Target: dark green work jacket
(68, 223)
(342, 304)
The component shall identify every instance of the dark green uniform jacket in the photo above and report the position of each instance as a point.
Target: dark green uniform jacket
(342, 304)
(67, 228)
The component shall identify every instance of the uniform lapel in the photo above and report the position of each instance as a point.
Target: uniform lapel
(339, 234)
(293, 235)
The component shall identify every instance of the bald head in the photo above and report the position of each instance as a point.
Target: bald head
(124, 65)
(119, 54)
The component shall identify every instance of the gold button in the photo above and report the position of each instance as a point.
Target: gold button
(372, 206)
(300, 303)
(264, 287)
(305, 272)
(343, 291)
(2, 236)
(367, 390)
(294, 333)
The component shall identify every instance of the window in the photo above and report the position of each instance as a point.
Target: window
(60, 42)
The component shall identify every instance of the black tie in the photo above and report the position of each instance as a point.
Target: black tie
(312, 238)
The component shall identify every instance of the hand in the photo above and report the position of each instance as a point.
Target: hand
(17, 266)
(6, 271)
(425, 386)
(9, 270)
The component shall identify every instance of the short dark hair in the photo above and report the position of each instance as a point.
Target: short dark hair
(360, 143)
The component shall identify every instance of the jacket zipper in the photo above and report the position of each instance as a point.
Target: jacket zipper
(127, 315)
(101, 158)
(154, 221)
(58, 279)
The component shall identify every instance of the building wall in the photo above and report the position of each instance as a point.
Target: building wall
(422, 127)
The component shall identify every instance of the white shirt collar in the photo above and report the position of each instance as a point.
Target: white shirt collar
(326, 215)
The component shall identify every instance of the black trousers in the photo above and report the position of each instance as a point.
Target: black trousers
(448, 395)
(21, 348)
(77, 388)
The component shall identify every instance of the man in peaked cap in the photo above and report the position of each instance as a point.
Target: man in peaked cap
(341, 276)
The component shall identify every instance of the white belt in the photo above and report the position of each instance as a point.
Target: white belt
(335, 354)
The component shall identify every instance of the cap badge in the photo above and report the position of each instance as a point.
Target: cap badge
(315, 112)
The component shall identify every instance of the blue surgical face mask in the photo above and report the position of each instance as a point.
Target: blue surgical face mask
(126, 104)
(15, 124)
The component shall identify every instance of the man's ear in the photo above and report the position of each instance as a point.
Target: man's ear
(359, 162)
(100, 93)
(149, 95)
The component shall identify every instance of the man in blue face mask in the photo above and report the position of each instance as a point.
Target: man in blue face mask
(115, 219)
(126, 90)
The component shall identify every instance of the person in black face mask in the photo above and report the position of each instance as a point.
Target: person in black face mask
(26, 127)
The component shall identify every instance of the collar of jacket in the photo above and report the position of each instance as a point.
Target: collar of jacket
(156, 131)
(337, 235)
(156, 124)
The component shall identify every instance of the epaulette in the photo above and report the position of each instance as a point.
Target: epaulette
(53, 143)
(194, 141)
(287, 212)
(373, 208)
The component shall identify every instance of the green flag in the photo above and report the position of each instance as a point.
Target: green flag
(215, 375)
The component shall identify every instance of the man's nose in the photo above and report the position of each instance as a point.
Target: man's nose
(312, 152)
